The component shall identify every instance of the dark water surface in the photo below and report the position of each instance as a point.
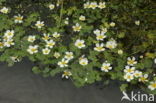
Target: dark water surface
(19, 85)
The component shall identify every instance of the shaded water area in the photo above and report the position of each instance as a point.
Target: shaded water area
(19, 85)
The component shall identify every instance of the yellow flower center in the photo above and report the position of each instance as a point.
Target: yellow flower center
(18, 18)
(129, 77)
(77, 28)
(1, 44)
(99, 48)
(143, 79)
(131, 62)
(154, 85)
(129, 70)
(66, 73)
(33, 49)
(106, 67)
(80, 44)
(100, 36)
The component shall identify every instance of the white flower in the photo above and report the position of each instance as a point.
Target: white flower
(137, 74)
(100, 36)
(141, 56)
(137, 22)
(39, 24)
(50, 43)
(143, 78)
(131, 61)
(102, 5)
(80, 43)
(86, 5)
(18, 19)
(9, 43)
(99, 47)
(82, 18)
(66, 74)
(66, 22)
(77, 27)
(57, 54)
(120, 52)
(152, 86)
(9, 33)
(51, 6)
(155, 60)
(83, 61)
(112, 24)
(33, 49)
(4, 10)
(69, 55)
(97, 31)
(129, 69)
(128, 77)
(93, 5)
(63, 63)
(106, 67)
(31, 38)
(46, 51)
(104, 30)
(15, 59)
(46, 37)
(111, 44)
(56, 35)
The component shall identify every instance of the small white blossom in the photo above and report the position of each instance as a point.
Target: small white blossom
(152, 85)
(77, 27)
(112, 24)
(57, 54)
(93, 5)
(69, 55)
(50, 43)
(66, 74)
(106, 67)
(86, 5)
(143, 78)
(32, 49)
(129, 69)
(46, 51)
(46, 37)
(99, 47)
(4, 10)
(18, 19)
(131, 61)
(102, 5)
(39, 24)
(97, 31)
(82, 18)
(9, 33)
(80, 43)
(120, 52)
(51, 6)
(31, 38)
(137, 22)
(56, 35)
(63, 63)
(111, 44)
(137, 73)
(9, 43)
(15, 59)
(66, 21)
(83, 61)
(128, 77)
